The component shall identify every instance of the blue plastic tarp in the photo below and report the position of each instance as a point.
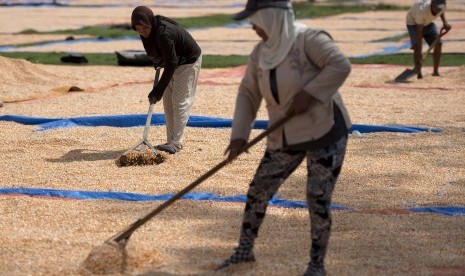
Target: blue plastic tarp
(135, 120)
(111, 195)
(275, 201)
(443, 210)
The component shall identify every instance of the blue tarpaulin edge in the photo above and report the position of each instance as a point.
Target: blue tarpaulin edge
(111, 195)
(135, 120)
(275, 201)
(445, 210)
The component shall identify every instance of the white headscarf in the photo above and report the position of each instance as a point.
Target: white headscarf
(282, 32)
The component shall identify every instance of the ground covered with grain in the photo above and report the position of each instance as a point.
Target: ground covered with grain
(385, 174)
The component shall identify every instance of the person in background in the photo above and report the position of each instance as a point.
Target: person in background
(170, 46)
(420, 26)
(297, 71)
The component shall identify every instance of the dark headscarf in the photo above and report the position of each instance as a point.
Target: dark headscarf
(144, 16)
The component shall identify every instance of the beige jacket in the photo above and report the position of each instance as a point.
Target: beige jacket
(313, 64)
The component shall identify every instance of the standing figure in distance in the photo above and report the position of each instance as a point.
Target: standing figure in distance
(170, 46)
(297, 71)
(420, 26)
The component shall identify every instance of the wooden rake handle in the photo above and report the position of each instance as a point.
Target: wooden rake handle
(150, 112)
(431, 47)
(124, 235)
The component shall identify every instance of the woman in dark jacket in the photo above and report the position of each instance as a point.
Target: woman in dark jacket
(170, 46)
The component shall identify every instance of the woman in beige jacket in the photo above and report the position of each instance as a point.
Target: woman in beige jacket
(295, 70)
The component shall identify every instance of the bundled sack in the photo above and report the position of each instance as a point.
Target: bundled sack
(133, 58)
(74, 58)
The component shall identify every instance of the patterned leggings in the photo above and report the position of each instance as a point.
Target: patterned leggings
(323, 166)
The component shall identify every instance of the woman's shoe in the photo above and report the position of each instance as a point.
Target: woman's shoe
(239, 256)
(169, 148)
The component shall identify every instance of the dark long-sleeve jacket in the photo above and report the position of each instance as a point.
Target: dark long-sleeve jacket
(174, 46)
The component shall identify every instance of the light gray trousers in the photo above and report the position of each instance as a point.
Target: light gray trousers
(178, 99)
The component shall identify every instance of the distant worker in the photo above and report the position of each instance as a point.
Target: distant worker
(170, 46)
(420, 26)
